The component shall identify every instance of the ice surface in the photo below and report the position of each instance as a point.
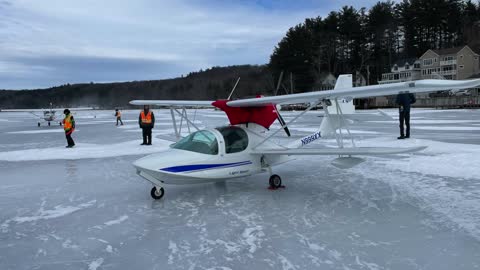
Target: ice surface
(85, 208)
(447, 128)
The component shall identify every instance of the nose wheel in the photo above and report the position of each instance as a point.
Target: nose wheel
(275, 182)
(157, 193)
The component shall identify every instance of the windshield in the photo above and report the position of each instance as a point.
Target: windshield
(200, 142)
(236, 139)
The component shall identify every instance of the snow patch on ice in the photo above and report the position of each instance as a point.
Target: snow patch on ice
(95, 264)
(251, 237)
(116, 221)
(83, 151)
(58, 211)
(445, 159)
(39, 131)
(68, 244)
(286, 264)
(173, 250)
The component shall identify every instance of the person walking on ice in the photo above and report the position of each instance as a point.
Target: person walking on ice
(68, 126)
(118, 114)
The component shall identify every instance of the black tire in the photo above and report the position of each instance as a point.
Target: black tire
(38, 124)
(157, 194)
(60, 123)
(275, 181)
(48, 123)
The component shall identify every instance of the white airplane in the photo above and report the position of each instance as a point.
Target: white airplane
(245, 147)
(48, 116)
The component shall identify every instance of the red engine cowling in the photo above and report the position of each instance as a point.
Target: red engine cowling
(263, 115)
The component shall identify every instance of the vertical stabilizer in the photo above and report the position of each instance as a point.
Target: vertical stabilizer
(344, 81)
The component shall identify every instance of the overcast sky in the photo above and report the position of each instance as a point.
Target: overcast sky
(52, 42)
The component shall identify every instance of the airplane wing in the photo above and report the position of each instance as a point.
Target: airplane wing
(356, 151)
(420, 86)
(359, 92)
(39, 116)
(173, 103)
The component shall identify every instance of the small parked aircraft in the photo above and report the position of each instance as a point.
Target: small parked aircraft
(49, 115)
(245, 147)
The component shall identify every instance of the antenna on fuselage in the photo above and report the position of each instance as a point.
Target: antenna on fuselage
(233, 89)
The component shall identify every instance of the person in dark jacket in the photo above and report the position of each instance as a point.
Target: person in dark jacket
(146, 121)
(404, 100)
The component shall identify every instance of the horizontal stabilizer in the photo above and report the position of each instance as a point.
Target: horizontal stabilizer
(357, 151)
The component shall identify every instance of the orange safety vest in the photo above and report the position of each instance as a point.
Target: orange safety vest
(146, 119)
(67, 122)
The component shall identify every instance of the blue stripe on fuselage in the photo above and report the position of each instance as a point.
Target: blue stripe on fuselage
(199, 167)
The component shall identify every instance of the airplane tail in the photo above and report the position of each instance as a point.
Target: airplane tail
(338, 112)
(335, 119)
(344, 81)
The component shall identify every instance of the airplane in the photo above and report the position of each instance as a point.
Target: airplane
(48, 115)
(245, 147)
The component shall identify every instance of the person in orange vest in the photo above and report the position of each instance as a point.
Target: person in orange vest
(69, 126)
(146, 120)
(118, 114)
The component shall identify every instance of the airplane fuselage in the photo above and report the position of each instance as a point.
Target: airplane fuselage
(228, 156)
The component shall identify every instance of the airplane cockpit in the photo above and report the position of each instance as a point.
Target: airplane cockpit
(236, 139)
(205, 141)
(202, 141)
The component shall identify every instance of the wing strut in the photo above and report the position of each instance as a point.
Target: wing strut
(183, 115)
(312, 105)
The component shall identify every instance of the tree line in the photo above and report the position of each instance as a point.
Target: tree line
(211, 84)
(368, 42)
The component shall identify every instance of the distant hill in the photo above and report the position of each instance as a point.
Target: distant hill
(211, 84)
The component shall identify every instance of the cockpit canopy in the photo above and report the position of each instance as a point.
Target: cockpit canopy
(205, 142)
(202, 141)
(236, 139)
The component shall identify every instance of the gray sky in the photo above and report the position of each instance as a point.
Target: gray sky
(52, 42)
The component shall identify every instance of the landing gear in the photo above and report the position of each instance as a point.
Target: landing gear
(157, 193)
(60, 123)
(38, 124)
(275, 181)
(48, 123)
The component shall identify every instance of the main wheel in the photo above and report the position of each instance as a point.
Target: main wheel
(48, 123)
(157, 193)
(38, 124)
(275, 181)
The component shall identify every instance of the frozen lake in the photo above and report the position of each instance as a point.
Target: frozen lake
(85, 208)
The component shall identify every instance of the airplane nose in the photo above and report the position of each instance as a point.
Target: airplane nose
(144, 163)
